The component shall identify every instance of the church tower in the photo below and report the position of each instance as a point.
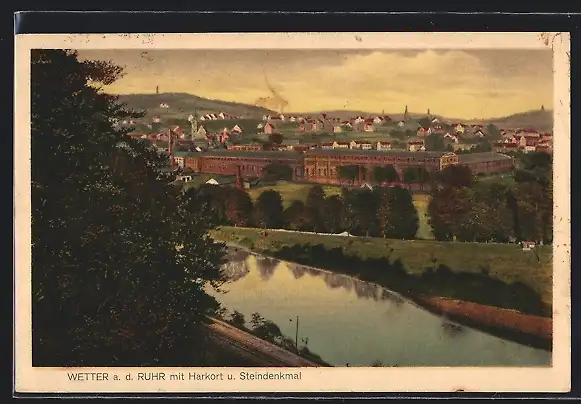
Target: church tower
(406, 115)
(194, 123)
(157, 89)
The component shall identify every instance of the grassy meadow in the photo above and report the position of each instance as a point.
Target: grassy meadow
(483, 267)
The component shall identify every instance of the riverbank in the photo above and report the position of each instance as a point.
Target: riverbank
(530, 330)
(503, 290)
(267, 353)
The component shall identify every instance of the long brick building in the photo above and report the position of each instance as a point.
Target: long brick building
(487, 162)
(247, 163)
(320, 165)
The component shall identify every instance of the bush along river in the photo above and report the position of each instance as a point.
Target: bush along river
(349, 322)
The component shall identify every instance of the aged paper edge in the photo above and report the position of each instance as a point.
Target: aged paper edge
(554, 379)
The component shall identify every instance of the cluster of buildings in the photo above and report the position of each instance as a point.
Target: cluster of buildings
(524, 140)
(215, 153)
(321, 165)
(412, 145)
(218, 116)
(323, 123)
(453, 132)
(195, 136)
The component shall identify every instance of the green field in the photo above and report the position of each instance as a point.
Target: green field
(506, 263)
(295, 191)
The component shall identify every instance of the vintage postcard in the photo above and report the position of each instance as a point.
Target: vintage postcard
(292, 212)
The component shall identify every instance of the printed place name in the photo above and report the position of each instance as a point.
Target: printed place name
(89, 376)
(184, 376)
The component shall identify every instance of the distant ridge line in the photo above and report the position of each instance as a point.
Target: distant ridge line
(185, 103)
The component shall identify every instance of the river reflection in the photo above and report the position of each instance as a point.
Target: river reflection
(347, 320)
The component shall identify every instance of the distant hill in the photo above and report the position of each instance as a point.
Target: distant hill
(541, 120)
(343, 114)
(181, 105)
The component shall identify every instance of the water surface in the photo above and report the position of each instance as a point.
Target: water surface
(348, 321)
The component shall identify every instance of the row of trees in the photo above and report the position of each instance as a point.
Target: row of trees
(388, 175)
(461, 208)
(269, 331)
(381, 212)
(468, 210)
(351, 174)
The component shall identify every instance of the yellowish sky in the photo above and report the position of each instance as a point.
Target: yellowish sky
(456, 83)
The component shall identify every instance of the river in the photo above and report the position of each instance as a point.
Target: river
(348, 321)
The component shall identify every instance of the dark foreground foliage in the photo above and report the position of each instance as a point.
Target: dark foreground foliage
(119, 258)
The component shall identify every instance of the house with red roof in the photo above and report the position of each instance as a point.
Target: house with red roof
(269, 128)
(528, 142)
(175, 129)
(341, 145)
(502, 147)
(545, 148)
(223, 136)
(247, 147)
(416, 145)
(547, 137)
(435, 129)
(368, 125)
(528, 132)
(301, 147)
(361, 144)
(383, 145)
(451, 137)
(421, 132)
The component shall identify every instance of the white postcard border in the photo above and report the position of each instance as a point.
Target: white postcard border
(554, 379)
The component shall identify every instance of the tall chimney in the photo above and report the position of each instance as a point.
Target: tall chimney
(239, 183)
(171, 148)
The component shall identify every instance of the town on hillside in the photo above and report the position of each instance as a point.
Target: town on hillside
(315, 146)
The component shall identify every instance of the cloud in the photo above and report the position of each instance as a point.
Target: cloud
(454, 83)
(450, 83)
